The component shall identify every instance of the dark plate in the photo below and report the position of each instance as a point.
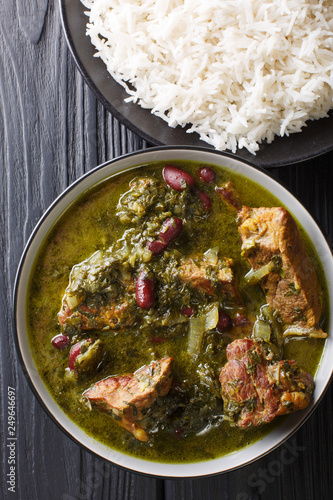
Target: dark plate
(314, 140)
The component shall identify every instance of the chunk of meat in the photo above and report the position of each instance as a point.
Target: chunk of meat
(110, 316)
(208, 278)
(128, 397)
(293, 290)
(256, 388)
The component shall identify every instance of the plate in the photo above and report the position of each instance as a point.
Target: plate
(314, 140)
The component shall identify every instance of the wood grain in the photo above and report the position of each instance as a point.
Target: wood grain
(31, 16)
(52, 131)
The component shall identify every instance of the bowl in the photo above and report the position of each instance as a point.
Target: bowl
(286, 427)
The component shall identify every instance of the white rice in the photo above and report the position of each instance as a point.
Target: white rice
(238, 71)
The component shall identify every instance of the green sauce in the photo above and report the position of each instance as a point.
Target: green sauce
(89, 225)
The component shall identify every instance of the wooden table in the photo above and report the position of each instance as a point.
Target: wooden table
(52, 131)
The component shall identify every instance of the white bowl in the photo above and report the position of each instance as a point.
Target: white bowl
(225, 463)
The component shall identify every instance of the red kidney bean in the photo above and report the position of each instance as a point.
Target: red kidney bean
(144, 290)
(240, 319)
(206, 174)
(205, 200)
(178, 432)
(156, 247)
(75, 352)
(224, 322)
(60, 341)
(158, 340)
(228, 195)
(176, 177)
(171, 229)
(188, 311)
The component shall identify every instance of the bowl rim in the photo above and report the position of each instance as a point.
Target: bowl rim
(295, 421)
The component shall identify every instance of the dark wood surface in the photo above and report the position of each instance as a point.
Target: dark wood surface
(52, 130)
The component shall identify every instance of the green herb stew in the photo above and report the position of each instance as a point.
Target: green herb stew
(176, 312)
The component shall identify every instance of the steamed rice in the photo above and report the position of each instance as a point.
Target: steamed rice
(238, 71)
